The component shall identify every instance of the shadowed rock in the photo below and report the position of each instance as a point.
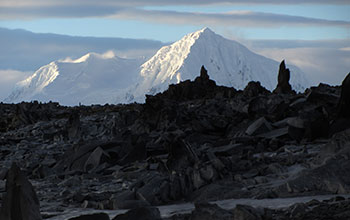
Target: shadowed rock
(254, 89)
(96, 216)
(73, 126)
(204, 74)
(20, 202)
(144, 213)
(201, 87)
(206, 211)
(283, 85)
(344, 101)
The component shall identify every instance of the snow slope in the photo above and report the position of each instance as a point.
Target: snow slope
(93, 78)
(106, 78)
(228, 63)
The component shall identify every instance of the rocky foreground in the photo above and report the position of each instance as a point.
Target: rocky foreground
(196, 142)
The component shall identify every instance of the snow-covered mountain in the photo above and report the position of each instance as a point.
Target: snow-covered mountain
(96, 78)
(93, 78)
(228, 63)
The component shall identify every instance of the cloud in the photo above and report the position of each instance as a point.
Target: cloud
(284, 44)
(142, 3)
(59, 11)
(8, 79)
(24, 50)
(233, 18)
(35, 9)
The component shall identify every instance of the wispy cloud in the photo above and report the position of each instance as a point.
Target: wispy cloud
(232, 18)
(141, 3)
(118, 9)
(285, 44)
(57, 11)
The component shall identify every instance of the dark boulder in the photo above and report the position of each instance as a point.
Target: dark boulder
(20, 202)
(245, 212)
(283, 85)
(329, 177)
(258, 127)
(254, 89)
(95, 216)
(206, 211)
(201, 87)
(181, 155)
(344, 101)
(144, 213)
(73, 126)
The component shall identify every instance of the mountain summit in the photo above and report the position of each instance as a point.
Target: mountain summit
(92, 78)
(229, 63)
(96, 78)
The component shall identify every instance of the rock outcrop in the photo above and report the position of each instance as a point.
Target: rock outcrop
(195, 142)
(144, 213)
(283, 85)
(20, 202)
(344, 101)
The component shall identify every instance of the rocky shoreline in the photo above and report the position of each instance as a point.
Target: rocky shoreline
(196, 142)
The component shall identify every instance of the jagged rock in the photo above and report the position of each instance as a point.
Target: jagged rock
(244, 212)
(86, 156)
(73, 126)
(3, 173)
(276, 133)
(254, 89)
(283, 85)
(201, 87)
(94, 159)
(20, 202)
(144, 213)
(152, 190)
(339, 142)
(95, 216)
(186, 144)
(328, 177)
(258, 127)
(298, 210)
(128, 204)
(181, 155)
(323, 94)
(344, 101)
(204, 74)
(135, 152)
(206, 211)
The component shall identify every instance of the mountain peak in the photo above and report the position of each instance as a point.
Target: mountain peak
(228, 62)
(206, 30)
(93, 56)
(93, 77)
(203, 33)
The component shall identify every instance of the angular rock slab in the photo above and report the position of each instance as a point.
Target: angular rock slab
(20, 202)
(95, 216)
(258, 127)
(144, 213)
